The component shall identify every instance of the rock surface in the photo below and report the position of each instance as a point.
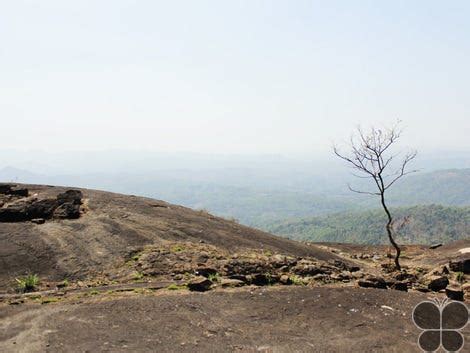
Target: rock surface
(455, 293)
(438, 283)
(199, 284)
(372, 282)
(23, 208)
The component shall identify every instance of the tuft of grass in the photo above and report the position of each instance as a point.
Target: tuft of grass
(177, 248)
(28, 283)
(270, 279)
(93, 292)
(174, 286)
(460, 277)
(135, 257)
(48, 300)
(214, 277)
(138, 276)
(297, 280)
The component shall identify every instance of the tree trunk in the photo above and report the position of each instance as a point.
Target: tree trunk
(389, 232)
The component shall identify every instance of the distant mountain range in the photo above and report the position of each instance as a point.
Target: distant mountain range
(279, 200)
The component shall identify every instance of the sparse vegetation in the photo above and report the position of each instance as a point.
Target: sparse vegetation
(138, 276)
(460, 277)
(214, 277)
(48, 300)
(420, 270)
(297, 280)
(28, 283)
(174, 286)
(177, 248)
(269, 278)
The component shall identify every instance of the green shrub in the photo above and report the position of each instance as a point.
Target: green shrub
(177, 248)
(138, 276)
(297, 280)
(214, 277)
(28, 283)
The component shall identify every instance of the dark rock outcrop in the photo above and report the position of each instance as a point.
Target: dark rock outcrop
(460, 266)
(64, 206)
(206, 271)
(199, 284)
(70, 196)
(435, 246)
(455, 293)
(372, 282)
(10, 189)
(438, 284)
(403, 286)
(67, 210)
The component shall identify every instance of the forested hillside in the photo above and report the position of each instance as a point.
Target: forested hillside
(447, 187)
(426, 224)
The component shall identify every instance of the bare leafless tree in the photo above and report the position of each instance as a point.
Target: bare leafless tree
(370, 155)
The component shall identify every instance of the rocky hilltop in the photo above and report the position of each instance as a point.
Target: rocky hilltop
(132, 267)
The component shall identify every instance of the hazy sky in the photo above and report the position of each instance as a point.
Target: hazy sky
(231, 76)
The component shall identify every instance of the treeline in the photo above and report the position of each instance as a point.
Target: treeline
(426, 224)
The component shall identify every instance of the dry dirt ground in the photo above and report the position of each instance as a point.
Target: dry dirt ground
(116, 279)
(250, 319)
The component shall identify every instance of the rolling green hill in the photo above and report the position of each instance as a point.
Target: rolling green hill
(426, 225)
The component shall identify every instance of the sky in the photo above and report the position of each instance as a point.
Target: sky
(232, 77)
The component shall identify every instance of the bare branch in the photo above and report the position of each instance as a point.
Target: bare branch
(363, 192)
(402, 172)
(370, 156)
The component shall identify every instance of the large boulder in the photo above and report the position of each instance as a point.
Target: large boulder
(10, 189)
(455, 293)
(460, 266)
(27, 209)
(438, 283)
(14, 213)
(67, 210)
(403, 286)
(64, 206)
(206, 271)
(70, 196)
(41, 208)
(199, 284)
(260, 279)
